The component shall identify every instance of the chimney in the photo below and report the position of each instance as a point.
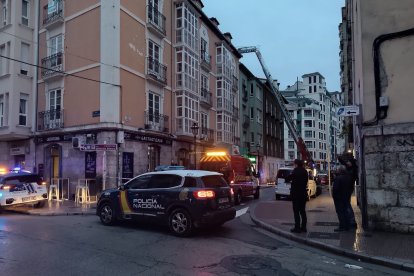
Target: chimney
(228, 36)
(199, 3)
(215, 21)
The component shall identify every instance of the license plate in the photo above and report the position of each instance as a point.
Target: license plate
(223, 200)
(29, 198)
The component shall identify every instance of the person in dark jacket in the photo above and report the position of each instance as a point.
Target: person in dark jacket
(299, 195)
(352, 170)
(340, 195)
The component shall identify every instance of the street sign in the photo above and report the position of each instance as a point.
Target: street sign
(98, 147)
(348, 110)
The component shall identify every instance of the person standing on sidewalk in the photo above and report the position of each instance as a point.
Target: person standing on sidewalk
(340, 195)
(299, 195)
(352, 170)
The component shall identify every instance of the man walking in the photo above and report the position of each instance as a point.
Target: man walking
(299, 195)
(340, 194)
(352, 170)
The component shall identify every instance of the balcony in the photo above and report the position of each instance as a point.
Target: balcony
(50, 120)
(156, 121)
(207, 135)
(157, 71)
(156, 21)
(205, 60)
(53, 15)
(235, 84)
(206, 97)
(52, 66)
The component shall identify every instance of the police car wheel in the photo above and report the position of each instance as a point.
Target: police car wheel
(40, 204)
(180, 222)
(106, 214)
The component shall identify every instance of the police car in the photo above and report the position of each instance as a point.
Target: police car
(22, 187)
(182, 199)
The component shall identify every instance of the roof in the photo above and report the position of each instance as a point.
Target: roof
(312, 74)
(183, 173)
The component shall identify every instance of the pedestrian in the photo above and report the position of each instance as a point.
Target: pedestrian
(352, 170)
(340, 195)
(299, 195)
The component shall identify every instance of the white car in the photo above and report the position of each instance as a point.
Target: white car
(282, 188)
(18, 188)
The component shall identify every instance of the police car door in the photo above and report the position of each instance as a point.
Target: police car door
(163, 190)
(136, 193)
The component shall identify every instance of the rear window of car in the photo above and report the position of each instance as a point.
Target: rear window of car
(214, 181)
(283, 173)
(164, 181)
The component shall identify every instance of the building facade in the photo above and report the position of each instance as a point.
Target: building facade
(17, 82)
(313, 110)
(382, 52)
(121, 87)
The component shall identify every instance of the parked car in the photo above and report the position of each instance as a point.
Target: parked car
(17, 188)
(181, 199)
(282, 188)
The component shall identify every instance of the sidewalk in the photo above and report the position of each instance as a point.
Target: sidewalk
(57, 208)
(389, 249)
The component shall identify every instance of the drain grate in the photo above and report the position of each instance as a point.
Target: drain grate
(326, 223)
(323, 235)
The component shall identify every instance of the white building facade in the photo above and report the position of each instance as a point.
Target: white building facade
(313, 110)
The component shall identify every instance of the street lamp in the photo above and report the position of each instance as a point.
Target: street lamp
(194, 130)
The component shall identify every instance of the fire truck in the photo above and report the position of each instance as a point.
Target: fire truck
(236, 169)
(305, 154)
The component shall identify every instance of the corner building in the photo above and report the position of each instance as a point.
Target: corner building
(135, 74)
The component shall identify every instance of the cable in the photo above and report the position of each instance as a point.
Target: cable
(58, 71)
(66, 52)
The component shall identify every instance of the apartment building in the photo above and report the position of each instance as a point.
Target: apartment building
(313, 110)
(382, 35)
(152, 82)
(17, 82)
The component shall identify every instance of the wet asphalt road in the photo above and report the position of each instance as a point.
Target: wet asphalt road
(80, 245)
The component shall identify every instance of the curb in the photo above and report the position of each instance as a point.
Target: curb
(334, 249)
(54, 214)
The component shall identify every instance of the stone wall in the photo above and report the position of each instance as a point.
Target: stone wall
(389, 175)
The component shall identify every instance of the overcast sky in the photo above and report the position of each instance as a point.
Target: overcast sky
(295, 37)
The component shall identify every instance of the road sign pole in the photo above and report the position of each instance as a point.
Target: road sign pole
(104, 169)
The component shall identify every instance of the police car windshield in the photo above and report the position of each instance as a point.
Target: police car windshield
(214, 181)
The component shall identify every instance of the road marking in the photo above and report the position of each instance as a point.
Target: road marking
(241, 212)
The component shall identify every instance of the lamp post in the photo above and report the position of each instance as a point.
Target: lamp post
(194, 130)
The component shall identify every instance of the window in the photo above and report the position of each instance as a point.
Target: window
(153, 157)
(204, 123)
(308, 123)
(190, 182)
(308, 133)
(56, 44)
(186, 26)
(23, 109)
(25, 50)
(187, 69)
(310, 79)
(251, 90)
(140, 182)
(3, 61)
(310, 89)
(251, 113)
(1, 110)
(187, 111)
(55, 99)
(25, 12)
(307, 113)
(153, 10)
(153, 107)
(163, 181)
(309, 144)
(4, 12)
(314, 88)
(291, 145)
(214, 181)
(259, 116)
(291, 155)
(314, 79)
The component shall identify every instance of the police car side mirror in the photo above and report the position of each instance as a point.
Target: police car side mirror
(122, 187)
